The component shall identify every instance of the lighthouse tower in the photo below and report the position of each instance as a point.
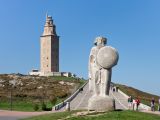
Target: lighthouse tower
(49, 48)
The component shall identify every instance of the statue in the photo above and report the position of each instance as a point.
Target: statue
(93, 68)
(101, 60)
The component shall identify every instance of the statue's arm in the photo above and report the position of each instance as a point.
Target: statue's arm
(91, 62)
(89, 68)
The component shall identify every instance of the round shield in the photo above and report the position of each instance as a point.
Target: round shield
(107, 57)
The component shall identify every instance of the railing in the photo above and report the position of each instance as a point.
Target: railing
(62, 104)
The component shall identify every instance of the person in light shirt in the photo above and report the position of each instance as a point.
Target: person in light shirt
(134, 105)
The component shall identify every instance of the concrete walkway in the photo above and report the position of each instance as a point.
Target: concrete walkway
(120, 100)
(151, 112)
(15, 115)
(81, 100)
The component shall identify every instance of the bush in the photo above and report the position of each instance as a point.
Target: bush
(48, 109)
(53, 100)
(36, 107)
(44, 106)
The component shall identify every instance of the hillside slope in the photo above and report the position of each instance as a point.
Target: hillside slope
(35, 89)
(143, 96)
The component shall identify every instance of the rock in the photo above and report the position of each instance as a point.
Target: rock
(40, 87)
(61, 82)
(101, 104)
(13, 82)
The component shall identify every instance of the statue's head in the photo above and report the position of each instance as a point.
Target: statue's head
(100, 41)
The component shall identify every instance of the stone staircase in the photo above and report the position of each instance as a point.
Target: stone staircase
(81, 100)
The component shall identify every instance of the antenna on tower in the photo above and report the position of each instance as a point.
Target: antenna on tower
(46, 15)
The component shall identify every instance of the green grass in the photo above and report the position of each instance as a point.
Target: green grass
(18, 106)
(115, 115)
(22, 106)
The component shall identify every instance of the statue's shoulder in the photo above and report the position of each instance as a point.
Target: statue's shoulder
(94, 49)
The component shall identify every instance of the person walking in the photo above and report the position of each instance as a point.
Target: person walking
(134, 104)
(117, 88)
(81, 89)
(113, 89)
(137, 103)
(130, 101)
(152, 104)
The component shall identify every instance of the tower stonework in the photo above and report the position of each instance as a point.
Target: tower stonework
(49, 48)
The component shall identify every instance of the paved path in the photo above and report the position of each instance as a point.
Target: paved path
(151, 112)
(121, 101)
(15, 115)
(81, 100)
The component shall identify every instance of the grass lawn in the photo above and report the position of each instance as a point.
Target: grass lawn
(20, 106)
(115, 115)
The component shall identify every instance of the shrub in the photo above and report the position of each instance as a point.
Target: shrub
(53, 100)
(35, 107)
(44, 106)
(48, 109)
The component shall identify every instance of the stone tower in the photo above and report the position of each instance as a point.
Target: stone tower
(49, 46)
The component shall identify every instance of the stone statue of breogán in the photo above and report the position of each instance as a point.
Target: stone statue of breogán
(101, 60)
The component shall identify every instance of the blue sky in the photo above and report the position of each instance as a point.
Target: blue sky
(132, 27)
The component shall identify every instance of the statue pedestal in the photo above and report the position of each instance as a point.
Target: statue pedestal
(101, 104)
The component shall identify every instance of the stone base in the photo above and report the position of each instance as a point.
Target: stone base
(101, 104)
